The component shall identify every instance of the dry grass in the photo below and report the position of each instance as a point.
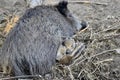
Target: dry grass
(10, 24)
(101, 57)
(95, 63)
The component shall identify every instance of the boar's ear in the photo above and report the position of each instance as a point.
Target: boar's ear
(62, 7)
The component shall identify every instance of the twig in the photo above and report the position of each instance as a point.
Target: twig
(71, 75)
(78, 33)
(96, 55)
(97, 67)
(80, 73)
(110, 30)
(101, 53)
(101, 39)
(109, 37)
(81, 61)
(106, 60)
(21, 77)
(118, 50)
(89, 75)
(80, 2)
(88, 2)
(78, 48)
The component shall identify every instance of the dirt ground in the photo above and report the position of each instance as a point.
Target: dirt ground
(101, 58)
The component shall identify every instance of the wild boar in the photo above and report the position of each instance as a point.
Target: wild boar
(31, 46)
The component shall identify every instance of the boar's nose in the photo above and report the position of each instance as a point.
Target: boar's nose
(83, 25)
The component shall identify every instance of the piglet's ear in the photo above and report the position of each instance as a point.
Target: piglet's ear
(62, 7)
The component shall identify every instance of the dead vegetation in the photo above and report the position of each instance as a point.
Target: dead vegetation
(101, 57)
(10, 24)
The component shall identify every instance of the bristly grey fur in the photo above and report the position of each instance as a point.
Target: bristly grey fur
(31, 47)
